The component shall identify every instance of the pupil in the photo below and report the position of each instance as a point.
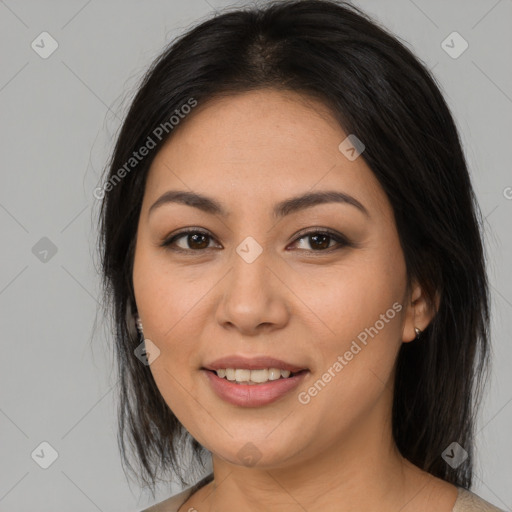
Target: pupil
(323, 245)
(195, 236)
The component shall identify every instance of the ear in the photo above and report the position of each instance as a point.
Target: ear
(419, 312)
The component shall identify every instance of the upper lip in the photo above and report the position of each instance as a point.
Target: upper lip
(252, 363)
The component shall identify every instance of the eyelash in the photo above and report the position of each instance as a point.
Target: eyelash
(340, 239)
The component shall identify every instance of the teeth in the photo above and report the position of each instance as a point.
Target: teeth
(252, 376)
(258, 375)
(242, 375)
(274, 373)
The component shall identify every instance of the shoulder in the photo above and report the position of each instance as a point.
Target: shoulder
(468, 501)
(171, 504)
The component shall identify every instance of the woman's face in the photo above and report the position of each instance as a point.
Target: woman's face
(253, 283)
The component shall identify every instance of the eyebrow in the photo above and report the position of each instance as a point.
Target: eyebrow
(286, 207)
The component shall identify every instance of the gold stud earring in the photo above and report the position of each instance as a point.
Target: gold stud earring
(418, 332)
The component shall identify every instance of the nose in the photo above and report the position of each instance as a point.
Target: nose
(254, 297)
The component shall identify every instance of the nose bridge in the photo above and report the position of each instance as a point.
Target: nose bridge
(251, 262)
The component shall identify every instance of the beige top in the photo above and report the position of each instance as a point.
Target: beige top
(466, 502)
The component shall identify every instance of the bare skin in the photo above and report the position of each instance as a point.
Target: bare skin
(295, 303)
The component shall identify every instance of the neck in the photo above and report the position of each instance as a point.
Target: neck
(363, 470)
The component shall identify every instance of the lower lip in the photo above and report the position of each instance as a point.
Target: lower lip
(253, 395)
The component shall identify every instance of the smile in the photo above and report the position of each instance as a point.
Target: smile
(243, 391)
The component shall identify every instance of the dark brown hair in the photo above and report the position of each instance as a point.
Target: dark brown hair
(381, 92)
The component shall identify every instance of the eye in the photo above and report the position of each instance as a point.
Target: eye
(319, 240)
(197, 240)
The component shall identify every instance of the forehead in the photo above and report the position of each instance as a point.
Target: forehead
(263, 145)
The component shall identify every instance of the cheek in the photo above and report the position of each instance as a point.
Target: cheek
(356, 366)
(170, 307)
(169, 298)
(361, 313)
(352, 298)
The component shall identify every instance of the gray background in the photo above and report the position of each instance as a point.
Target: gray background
(59, 120)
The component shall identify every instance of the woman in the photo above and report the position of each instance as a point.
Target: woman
(292, 254)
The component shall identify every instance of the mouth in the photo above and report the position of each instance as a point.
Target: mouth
(257, 387)
(252, 382)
